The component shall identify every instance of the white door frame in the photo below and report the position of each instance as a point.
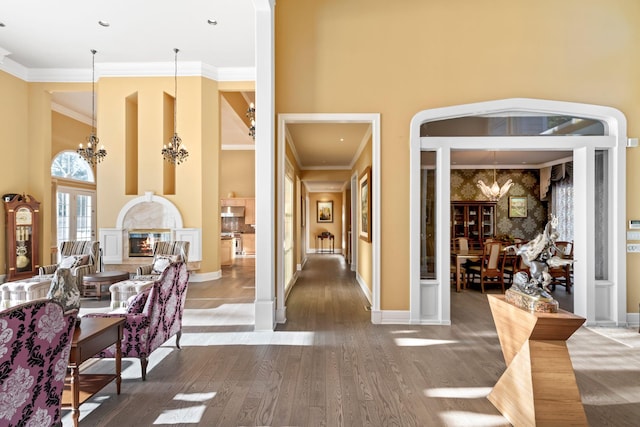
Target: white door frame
(600, 302)
(374, 120)
(354, 222)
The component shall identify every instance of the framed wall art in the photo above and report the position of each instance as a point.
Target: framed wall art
(517, 207)
(365, 204)
(325, 211)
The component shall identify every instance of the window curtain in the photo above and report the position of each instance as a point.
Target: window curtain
(561, 185)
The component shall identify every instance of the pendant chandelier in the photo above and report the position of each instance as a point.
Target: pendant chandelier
(251, 114)
(91, 154)
(175, 152)
(495, 192)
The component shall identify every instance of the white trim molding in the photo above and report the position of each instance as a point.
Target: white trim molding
(599, 301)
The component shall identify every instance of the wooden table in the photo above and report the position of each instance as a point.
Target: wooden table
(90, 337)
(330, 246)
(459, 257)
(92, 283)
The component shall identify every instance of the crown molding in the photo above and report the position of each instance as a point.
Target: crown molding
(132, 69)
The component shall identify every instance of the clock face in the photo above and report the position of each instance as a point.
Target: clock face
(23, 216)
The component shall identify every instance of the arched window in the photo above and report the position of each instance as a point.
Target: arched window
(69, 165)
(75, 211)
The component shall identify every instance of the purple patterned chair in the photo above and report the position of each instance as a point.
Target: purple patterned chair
(35, 340)
(153, 316)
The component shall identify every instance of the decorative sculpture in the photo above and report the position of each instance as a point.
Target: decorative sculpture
(539, 255)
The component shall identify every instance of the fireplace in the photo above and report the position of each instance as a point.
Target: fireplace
(141, 241)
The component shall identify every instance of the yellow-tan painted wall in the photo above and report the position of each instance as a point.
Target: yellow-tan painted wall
(315, 227)
(365, 252)
(67, 133)
(237, 173)
(380, 56)
(14, 137)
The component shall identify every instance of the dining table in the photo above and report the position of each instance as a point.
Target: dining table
(459, 257)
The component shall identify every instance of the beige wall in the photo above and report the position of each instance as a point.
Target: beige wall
(315, 227)
(365, 252)
(237, 173)
(67, 133)
(14, 137)
(375, 56)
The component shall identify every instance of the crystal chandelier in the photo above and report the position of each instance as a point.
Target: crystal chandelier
(175, 152)
(251, 114)
(495, 191)
(90, 153)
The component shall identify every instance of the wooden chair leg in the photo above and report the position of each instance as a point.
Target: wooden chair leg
(143, 364)
(178, 336)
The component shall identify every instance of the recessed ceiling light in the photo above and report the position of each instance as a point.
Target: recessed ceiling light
(341, 139)
(212, 22)
(104, 23)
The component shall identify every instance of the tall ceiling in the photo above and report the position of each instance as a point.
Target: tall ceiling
(44, 40)
(44, 34)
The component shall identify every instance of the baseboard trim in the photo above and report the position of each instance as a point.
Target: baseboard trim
(203, 277)
(390, 317)
(364, 288)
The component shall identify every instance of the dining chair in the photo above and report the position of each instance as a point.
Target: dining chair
(562, 275)
(491, 267)
(459, 244)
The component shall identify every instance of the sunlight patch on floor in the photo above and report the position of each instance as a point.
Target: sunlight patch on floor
(191, 415)
(203, 339)
(195, 397)
(465, 419)
(458, 392)
(421, 342)
(225, 314)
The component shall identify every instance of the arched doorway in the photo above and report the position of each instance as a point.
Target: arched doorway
(600, 297)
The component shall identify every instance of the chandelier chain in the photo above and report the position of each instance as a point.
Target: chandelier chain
(91, 153)
(175, 152)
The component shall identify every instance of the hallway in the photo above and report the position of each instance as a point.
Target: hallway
(328, 365)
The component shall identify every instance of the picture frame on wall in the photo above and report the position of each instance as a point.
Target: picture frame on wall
(364, 190)
(325, 211)
(517, 207)
(302, 212)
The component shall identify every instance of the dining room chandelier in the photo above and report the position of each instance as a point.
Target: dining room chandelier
(91, 153)
(251, 115)
(175, 152)
(495, 191)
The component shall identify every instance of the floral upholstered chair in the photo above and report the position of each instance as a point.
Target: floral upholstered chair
(164, 253)
(35, 341)
(81, 257)
(153, 316)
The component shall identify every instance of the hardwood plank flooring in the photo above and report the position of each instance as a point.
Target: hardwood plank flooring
(329, 366)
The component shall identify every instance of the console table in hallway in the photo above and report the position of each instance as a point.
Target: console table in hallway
(330, 246)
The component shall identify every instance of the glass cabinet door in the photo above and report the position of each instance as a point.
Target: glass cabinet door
(473, 222)
(458, 215)
(488, 221)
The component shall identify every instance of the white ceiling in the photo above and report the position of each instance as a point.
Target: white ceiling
(45, 34)
(44, 40)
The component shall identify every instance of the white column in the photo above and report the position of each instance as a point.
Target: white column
(265, 164)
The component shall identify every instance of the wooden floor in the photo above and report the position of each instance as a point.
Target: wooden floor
(329, 366)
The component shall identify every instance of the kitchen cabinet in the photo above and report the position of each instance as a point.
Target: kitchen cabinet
(249, 244)
(474, 220)
(22, 213)
(226, 252)
(250, 211)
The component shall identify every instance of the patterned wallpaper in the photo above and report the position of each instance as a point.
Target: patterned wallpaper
(525, 183)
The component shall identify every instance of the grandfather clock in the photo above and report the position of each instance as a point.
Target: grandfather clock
(21, 218)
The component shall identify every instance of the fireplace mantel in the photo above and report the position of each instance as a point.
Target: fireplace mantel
(147, 212)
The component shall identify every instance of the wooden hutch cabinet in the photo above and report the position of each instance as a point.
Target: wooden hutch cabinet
(474, 220)
(22, 214)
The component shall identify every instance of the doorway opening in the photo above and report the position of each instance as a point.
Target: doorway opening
(599, 170)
